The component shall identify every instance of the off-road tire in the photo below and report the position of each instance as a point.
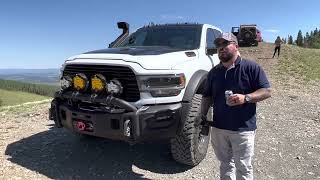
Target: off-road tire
(190, 147)
(248, 36)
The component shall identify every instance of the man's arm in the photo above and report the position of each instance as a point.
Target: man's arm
(260, 95)
(206, 102)
(256, 96)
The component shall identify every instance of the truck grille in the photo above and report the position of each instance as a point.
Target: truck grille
(124, 74)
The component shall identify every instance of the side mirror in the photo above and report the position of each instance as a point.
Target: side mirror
(211, 51)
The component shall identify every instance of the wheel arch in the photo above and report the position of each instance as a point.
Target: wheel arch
(196, 85)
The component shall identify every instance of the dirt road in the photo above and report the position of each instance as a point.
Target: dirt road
(287, 142)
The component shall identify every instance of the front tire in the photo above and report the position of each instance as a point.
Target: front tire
(190, 146)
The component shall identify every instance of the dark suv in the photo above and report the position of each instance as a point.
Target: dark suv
(247, 35)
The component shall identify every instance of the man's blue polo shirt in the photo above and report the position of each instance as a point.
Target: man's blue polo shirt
(243, 78)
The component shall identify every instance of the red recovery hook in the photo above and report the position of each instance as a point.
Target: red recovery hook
(81, 126)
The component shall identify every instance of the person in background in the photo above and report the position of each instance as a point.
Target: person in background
(234, 116)
(277, 44)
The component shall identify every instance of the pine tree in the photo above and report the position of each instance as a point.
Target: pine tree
(315, 32)
(299, 39)
(290, 40)
(307, 40)
(311, 39)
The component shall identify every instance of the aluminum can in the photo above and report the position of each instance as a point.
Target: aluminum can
(228, 93)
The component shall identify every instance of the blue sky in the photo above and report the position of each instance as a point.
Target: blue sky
(42, 34)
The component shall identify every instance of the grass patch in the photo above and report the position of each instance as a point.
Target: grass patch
(301, 63)
(10, 98)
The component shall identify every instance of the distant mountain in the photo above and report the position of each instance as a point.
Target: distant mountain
(39, 76)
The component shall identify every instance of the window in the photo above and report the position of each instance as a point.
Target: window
(217, 33)
(178, 37)
(212, 34)
(210, 38)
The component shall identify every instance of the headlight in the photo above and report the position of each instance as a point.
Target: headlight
(163, 85)
(80, 82)
(65, 82)
(98, 83)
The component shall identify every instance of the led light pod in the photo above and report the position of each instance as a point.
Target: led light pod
(114, 87)
(98, 83)
(65, 82)
(80, 82)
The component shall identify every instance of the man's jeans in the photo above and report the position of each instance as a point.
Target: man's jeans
(234, 150)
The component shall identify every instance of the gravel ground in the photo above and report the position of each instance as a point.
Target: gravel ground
(287, 141)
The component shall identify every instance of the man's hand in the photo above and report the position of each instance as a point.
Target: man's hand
(257, 96)
(235, 100)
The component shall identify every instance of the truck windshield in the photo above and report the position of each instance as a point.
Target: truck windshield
(178, 37)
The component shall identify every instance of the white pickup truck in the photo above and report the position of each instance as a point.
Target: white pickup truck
(145, 87)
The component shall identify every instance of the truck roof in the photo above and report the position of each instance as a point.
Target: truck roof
(173, 24)
(248, 25)
(179, 24)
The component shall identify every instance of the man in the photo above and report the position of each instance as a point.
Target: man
(277, 44)
(234, 119)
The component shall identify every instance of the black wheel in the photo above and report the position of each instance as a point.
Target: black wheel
(248, 35)
(190, 146)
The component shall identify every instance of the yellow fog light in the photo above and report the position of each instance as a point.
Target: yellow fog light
(80, 82)
(98, 83)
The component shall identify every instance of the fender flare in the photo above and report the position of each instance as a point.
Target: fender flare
(196, 81)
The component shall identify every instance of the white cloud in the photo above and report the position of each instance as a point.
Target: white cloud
(271, 30)
(171, 17)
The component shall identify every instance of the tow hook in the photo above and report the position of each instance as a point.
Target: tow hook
(81, 126)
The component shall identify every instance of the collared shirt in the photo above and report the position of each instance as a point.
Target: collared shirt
(244, 77)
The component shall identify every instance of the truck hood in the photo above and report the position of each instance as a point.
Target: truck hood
(151, 58)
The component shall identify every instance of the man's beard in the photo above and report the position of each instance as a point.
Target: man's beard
(225, 57)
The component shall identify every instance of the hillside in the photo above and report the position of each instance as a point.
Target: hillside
(15, 93)
(287, 138)
(40, 89)
(296, 67)
(301, 63)
(9, 98)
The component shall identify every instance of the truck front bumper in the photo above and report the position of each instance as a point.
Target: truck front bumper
(149, 123)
